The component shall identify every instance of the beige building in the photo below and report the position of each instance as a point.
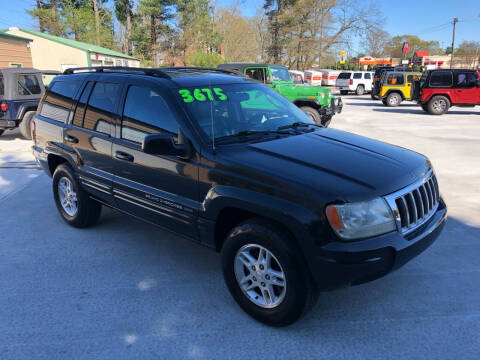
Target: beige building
(14, 51)
(51, 52)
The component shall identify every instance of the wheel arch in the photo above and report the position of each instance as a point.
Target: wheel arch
(54, 160)
(439, 94)
(395, 91)
(307, 102)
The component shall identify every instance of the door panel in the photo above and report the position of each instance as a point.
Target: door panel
(160, 189)
(90, 136)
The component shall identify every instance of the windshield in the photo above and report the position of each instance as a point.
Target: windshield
(279, 73)
(227, 110)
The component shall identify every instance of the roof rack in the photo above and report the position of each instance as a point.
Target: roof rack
(159, 72)
(120, 69)
(199, 68)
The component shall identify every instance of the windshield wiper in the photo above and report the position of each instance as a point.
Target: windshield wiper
(297, 125)
(248, 133)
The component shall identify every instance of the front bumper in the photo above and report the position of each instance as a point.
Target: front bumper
(335, 107)
(340, 264)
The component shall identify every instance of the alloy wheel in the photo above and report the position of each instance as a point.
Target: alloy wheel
(67, 196)
(260, 276)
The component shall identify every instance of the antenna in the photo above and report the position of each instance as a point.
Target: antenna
(211, 116)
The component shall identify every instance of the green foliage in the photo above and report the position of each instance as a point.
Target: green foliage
(394, 46)
(205, 60)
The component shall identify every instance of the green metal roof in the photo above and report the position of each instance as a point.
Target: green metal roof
(78, 44)
(4, 34)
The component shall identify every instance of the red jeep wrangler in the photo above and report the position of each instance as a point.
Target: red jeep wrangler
(440, 89)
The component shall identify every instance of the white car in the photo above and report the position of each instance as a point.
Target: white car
(359, 82)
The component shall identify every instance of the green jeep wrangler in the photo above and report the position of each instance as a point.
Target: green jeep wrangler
(316, 101)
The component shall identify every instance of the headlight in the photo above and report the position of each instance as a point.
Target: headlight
(362, 219)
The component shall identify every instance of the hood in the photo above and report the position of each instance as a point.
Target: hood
(336, 164)
(302, 90)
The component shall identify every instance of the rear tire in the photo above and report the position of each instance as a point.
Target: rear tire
(73, 203)
(24, 126)
(374, 97)
(290, 284)
(312, 114)
(394, 99)
(438, 105)
(360, 90)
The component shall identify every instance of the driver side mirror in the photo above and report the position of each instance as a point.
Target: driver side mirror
(164, 144)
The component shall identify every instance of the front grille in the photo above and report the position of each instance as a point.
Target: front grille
(414, 205)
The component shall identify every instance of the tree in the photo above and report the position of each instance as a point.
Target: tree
(158, 12)
(48, 16)
(274, 10)
(124, 13)
(316, 29)
(394, 46)
(375, 41)
(97, 22)
(469, 53)
(238, 35)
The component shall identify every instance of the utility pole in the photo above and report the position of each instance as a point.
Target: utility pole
(455, 20)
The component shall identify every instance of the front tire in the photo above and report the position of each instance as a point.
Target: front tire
(438, 105)
(24, 126)
(312, 114)
(394, 99)
(73, 203)
(360, 90)
(265, 273)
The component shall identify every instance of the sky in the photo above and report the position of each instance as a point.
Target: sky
(429, 19)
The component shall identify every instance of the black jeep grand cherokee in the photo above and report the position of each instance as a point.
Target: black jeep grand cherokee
(293, 207)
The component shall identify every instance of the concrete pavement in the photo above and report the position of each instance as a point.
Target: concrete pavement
(125, 289)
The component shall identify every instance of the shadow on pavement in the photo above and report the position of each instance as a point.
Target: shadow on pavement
(421, 112)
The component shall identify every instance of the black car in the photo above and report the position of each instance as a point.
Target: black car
(294, 208)
(20, 92)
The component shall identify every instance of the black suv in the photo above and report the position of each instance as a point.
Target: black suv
(293, 207)
(20, 92)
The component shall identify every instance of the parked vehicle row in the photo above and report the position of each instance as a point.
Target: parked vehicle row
(317, 101)
(294, 208)
(435, 90)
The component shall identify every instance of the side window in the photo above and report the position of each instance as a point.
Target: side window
(256, 74)
(357, 75)
(2, 87)
(59, 100)
(367, 76)
(441, 79)
(101, 106)
(466, 80)
(409, 79)
(395, 79)
(81, 105)
(28, 85)
(145, 112)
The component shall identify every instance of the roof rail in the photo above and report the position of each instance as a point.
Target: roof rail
(199, 68)
(118, 69)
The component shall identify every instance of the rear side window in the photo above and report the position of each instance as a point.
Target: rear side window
(28, 84)
(145, 112)
(344, 75)
(367, 76)
(441, 79)
(395, 79)
(466, 79)
(2, 87)
(357, 75)
(101, 107)
(256, 74)
(59, 99)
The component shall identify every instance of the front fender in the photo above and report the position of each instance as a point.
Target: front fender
(303, 223)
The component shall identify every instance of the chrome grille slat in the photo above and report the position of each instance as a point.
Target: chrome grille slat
(415, 204)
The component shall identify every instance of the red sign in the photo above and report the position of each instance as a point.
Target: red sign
(406, 47)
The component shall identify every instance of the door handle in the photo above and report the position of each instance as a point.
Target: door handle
(123, 156)
(71, 139)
